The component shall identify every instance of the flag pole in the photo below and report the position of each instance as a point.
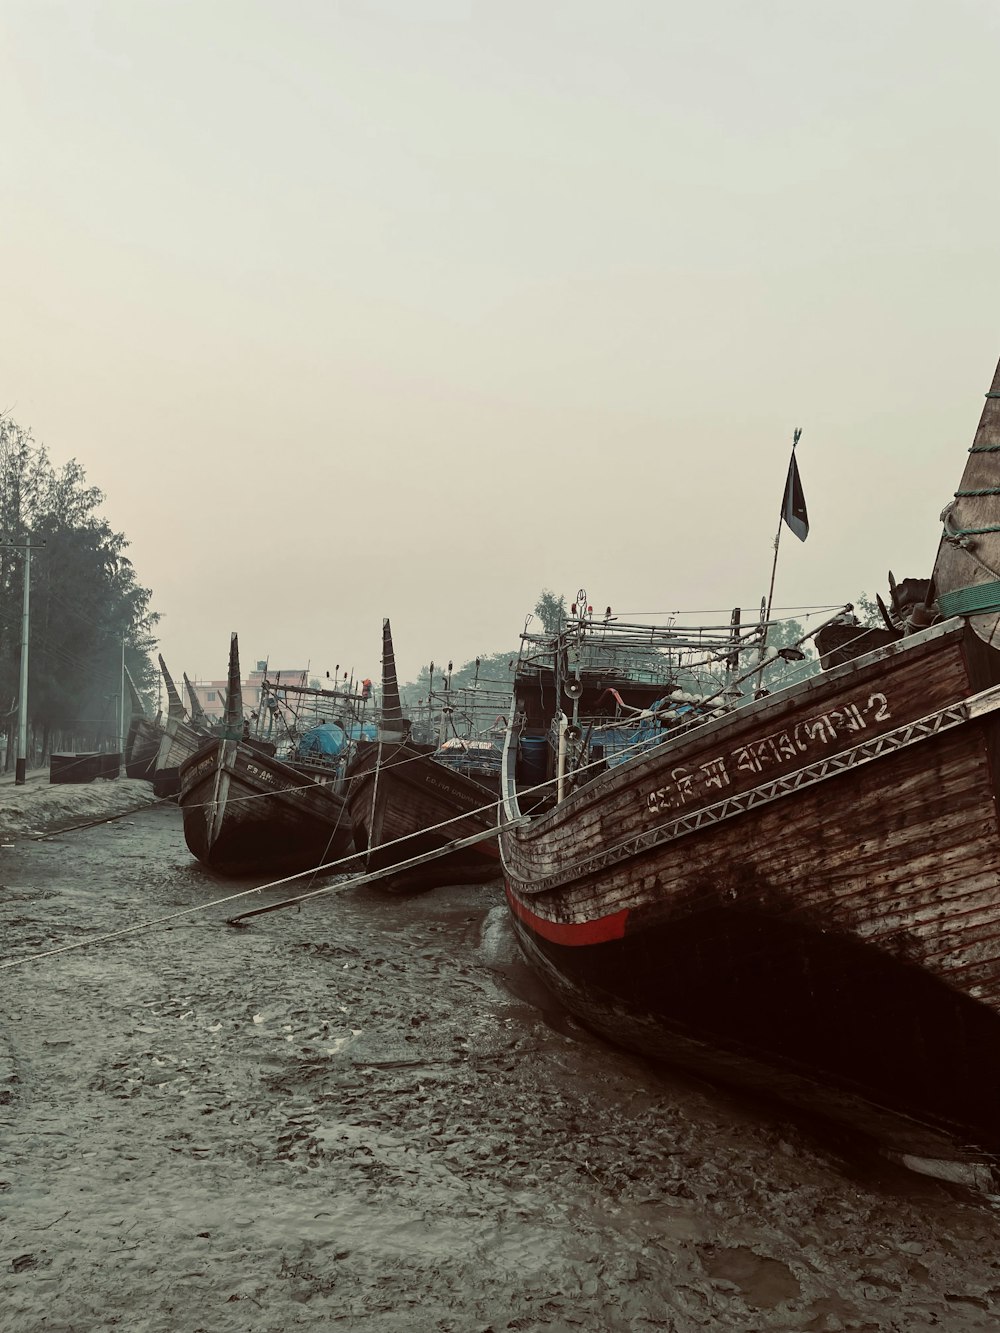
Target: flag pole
(777, 538)
(758, 692)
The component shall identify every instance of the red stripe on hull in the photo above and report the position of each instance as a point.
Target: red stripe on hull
(599, 931)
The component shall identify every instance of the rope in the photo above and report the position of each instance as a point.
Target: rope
(330, 867)
(612, 847)
(987, 569)
(172, 800)
(231, 800)
(985, 449)
(808, 609)
(132, 930)
(986, 490)
(105, 819)
(327, 868)
(955, 537)
(369, 877)
(978, 597)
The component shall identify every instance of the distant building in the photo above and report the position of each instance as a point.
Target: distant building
(211, 693)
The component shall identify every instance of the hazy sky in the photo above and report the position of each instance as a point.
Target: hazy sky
(410, 308)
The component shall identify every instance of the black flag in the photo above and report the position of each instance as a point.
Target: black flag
(793, 507)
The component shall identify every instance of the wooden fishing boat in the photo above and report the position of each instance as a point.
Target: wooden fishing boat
(178, 742)
(404, 803)
(142, 746)
(798, 890)
(142, 741)
(247, 812)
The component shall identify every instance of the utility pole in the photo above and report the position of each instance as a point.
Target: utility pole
(21, 762)
(121, 713)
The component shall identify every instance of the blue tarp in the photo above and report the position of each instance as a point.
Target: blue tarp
(624, 742)
(326, 741)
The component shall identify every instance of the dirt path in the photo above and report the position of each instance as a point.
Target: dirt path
(358, 1116)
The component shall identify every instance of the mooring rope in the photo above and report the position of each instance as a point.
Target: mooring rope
(329, 868)
(334, 866)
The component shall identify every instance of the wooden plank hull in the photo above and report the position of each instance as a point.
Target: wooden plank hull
(395, 791)
(809, 887)
(142, 746)
(247, 813)
(177, 744)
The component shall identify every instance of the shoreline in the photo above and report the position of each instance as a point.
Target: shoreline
(368, 1114)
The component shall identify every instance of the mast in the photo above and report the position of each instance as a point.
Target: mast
(966, 578)
(393, 725)
(233, 722)
(198, 715)
(733, 660)
(175, 705)
(137, 702)
(446, 709)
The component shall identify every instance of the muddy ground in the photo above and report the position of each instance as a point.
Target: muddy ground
(366, 1115)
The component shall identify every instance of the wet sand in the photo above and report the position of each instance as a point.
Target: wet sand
(366, 1114)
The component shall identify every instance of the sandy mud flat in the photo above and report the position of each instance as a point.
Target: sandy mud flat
(366, 1115)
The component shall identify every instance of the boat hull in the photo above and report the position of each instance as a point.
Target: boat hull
(142, 746)
(247, 813)
(804, 897)
(395, 791)
(178, 743)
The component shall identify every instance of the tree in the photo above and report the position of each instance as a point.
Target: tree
(551, 611)
(490, 672)
(86, 603)
(779, 673)
(867, 612)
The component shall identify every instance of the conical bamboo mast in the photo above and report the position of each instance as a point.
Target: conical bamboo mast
(233, 722)
(175, 705)
(967, 568)
(198, 715)
(394, 726)
(136, 701)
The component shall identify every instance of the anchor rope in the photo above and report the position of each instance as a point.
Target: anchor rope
(338, 864)
(397, 762)
(329, 868)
